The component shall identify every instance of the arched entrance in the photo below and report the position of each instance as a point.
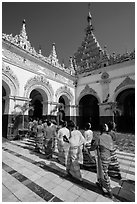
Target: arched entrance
(63, 99)
(126, 103)
(5, 107)
(36, 97)
(89, 111)
(5, 97)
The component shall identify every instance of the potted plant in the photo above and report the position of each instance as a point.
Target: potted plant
(17, 115)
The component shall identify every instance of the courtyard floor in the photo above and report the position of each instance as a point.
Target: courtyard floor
(28, 177)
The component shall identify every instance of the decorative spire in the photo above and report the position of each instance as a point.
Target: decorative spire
(71, 66)
(89, 17)
(88, 55)
(23, 30)
(53, 56)
(70, 62)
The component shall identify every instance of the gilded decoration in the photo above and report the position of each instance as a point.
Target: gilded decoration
(41, 81)
(64, 90)
(127, 81)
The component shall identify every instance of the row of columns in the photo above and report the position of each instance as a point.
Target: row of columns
(48, 106)
(105, 109)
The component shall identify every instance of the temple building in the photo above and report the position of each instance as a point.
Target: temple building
(96, 87)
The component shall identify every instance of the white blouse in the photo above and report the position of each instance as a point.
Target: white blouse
(88, 134)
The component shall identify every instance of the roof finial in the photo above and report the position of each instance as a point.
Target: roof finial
(40, 49)
(53, 55)
(24, 25)
(89, 17)
(23, 30)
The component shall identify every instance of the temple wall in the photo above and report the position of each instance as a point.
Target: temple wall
(20, 77)
(105, 84)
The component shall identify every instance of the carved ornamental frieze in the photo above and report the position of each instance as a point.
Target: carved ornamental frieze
(64, 90)
(31, 66)
(105, 76)
(22, 42)
(6, 70)
(26, 64)
(127, 81)
(88, 90)
(38, 80)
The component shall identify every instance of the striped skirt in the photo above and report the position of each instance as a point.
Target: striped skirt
(48, 145)
(39, 141)
(73, 166)
(89, 158)
(103, 160)
(114, 168)
(63, 149)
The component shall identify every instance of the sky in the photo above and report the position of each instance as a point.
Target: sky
(64, 23)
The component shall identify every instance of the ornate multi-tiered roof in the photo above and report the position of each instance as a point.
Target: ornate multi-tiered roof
(22, 42)
(91, 56)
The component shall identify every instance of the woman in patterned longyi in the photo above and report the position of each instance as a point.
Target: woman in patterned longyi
(105, 145)
(63, 147)
(114, 168)
(88, 155)
(39, 137)
(49, 136)
(75, 156)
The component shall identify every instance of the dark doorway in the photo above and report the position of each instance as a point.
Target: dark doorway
(61, 111)
(5, 108)
(37, 109)
(61, 100)
(36, 102)
(3, 99)
(126, 103)
(89, 112)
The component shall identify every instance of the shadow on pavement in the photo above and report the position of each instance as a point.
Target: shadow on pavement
(53, 167)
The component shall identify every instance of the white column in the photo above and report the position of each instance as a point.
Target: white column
(105, 89)
(49, 107)
(73, 111)
(45, 108)
(53, 108)
(8, 105)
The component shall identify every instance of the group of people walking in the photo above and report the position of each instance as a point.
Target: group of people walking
(45, 133)
(76, 149)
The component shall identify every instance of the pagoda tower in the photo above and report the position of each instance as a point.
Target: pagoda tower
(89, 54)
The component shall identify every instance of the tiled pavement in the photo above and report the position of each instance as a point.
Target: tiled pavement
(28, 177)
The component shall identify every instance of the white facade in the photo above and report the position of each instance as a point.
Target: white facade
(29, 76)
